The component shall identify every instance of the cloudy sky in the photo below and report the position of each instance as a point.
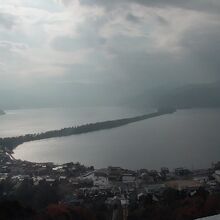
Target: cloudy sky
(69, 50)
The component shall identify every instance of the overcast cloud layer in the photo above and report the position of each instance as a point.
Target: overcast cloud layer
(80, 50)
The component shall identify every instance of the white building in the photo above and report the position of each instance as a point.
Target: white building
(128, 178)
(216, 175)
(98, 179)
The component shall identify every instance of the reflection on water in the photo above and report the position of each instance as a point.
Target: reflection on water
(186, 138)
(25, 121)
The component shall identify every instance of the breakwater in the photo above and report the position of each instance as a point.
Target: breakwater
(12, 142)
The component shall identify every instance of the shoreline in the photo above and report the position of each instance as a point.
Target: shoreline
(10, 156)
(10, 143)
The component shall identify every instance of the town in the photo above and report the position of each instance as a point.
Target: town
(111, 193)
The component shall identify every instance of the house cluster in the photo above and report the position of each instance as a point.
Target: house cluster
(11, 168)
(113, 186)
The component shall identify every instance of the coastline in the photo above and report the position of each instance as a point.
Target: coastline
(10, 143)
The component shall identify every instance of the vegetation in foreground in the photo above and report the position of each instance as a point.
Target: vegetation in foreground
(175, 206)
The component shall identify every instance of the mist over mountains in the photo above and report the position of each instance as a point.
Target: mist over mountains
(91, 53)
(188, 96)
(204, 95)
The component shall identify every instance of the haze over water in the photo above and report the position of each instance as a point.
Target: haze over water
(92, 53)
(26, 121)
(186, 138)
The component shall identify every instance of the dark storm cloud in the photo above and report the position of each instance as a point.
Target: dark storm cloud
(118, 47)
(161, 20)
(200, 5)
(132, 18)
(203, 44)
(138, 62)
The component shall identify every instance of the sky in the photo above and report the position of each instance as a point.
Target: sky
(101, 51)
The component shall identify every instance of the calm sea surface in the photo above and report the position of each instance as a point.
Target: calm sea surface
(189, 138)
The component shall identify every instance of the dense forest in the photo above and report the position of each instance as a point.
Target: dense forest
(175, 205)
(12, 142)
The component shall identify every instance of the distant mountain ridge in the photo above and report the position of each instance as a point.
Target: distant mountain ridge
(189, 96)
